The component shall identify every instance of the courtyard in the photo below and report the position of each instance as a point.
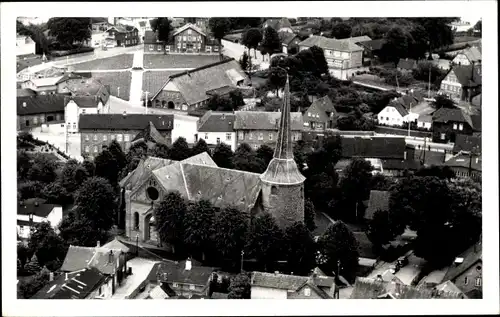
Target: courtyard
(161, 61)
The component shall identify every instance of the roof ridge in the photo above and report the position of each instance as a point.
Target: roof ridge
(221, 168)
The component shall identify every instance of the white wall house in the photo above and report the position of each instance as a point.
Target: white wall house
(258, 292)
(393, 115)
(217, 127)
(184, 126)
(24, 45)
(37, 213)
(424, 121)
(77, 106)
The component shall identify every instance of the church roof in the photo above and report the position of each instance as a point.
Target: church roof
(282, 169)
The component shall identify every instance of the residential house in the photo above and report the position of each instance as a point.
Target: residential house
(466, 165)
(424, 121)
(372, 50)
(43, 86)
(447, 123)
(466, 272)
(394, 114)
(33, 111)
(343, 56)
(99, 130)
(369, 288)
(112, 263)
(142, 24)
(188, 39)
(25, 92)
(407, 65)
(400, 168)
(100, 25)
(181, 278)
(192, 89)
(460, 28)
(119, 35)
(25, 45)
(280, 25)
(462, 82)
(477, 100)
(29, 214)
(320, 115)
(289, 42)
(257, 128)
(98, 39)
(216, 127)
(151, 43)
(87, 283)
(378, 201)
(468, 56)
(467, 143)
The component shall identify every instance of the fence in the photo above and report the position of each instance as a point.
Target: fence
(396, 131)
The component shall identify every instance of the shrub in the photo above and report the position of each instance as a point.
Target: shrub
(71, 51)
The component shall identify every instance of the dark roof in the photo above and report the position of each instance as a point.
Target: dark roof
(123, 28)
(446, 115)
(150, 37)
(40, 104)
(287, 37)
(467, 143)
(80, 86)
(216, 122)
(278, 23)
(344, 45)
(125, 122)
(399, 107)
(25, 92)
(394, 164)
(367, 288)
(83, 101)
(40, 210)
(325, 103)
(375, 147)
(77, 258)
(277, 280)
(83, 282)
(463, 160)
(466, 76)
(263, 120)
(476, 122)
(408, 64)
(379, 200)
(309, 283)
(470, 257)
(175, 272)
(373, 44)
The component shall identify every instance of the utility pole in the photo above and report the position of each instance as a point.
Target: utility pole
(425, 147)
(429, 88)
(147, 101)
(241, 267)
(409, 121)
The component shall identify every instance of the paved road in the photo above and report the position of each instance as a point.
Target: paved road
(435, 147)
(136, 82)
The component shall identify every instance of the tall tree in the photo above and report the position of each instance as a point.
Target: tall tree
(106, 167)
(277, 79)
(244, 62)
(320, 60)
(231, 230)
(251, 39)
(219, 28)
(116, 151)
(169, 216)
(45, 243)
(96, 201)
(271, 41)
(223, 156)
(300, 249)
(239, 288)
(265, 240)
(80, 231)
(396, 45)
(42, 170)
(479, 27)
(69, 30)
(380, 228)
(265, 153)
(339, 250)
(309, 215)
(55, 193)
(73, 174)
(180, 150)
(245, 159)
(341, 30)
(30, 287)
(236, 98)
(438, 30)
(163, 29)
(200, 147)
(199, 224)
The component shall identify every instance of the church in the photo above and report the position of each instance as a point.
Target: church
(279, 191)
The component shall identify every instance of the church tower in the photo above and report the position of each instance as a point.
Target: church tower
(282, 182)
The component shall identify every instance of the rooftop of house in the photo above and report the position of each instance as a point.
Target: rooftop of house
(473, 54)
(189, 26)
(379, 200)
(467, 143)
(100, 258)
(286, 37)
(468, 75)
(29, 105)
(399, 108)
(365, 246)
(463, 160)
(263, 120)
(83, 101)
(407, 64)
(427, 118)
(150, 134)
(445, 115)
(213, 121)
(87, 87)
(133, 121)
(194, 84)
(48, 81)
(150, 37)
(373, 147)
(368, 288)
(122, 28)
(116, 244)
(277, 280)
(36, 209)
(78, 285)
(344, 45)
(450, 287)
(179, 272)
(470, 257)
(324, 103)
(373, 45)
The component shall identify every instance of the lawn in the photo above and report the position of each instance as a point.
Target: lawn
(153, 81)
(123, 61)
(153, 61)
(115, 80)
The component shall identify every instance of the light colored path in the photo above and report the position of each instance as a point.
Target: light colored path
(136, 82)
(166, 69)
(101, 70)
(98, 54)
(140, 271)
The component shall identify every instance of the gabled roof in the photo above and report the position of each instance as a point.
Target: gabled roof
(325, 103)
(150, 134)
(467, 143)
(150, 37)
(408, 64)
(425, 118)
(49, 81)
(132, 121)
(122, 28)
(373, 45)
(399, 108)
(472, 54)
(471, 256)
(25, 92)
(277, 281)
(78, 286)
(216, 122)
(83, 101)
(77, 258)
(40, 210)
(189, 26)
(360, 39)
(40, 104)
(263, 120)
(278, 23)
(115, 244)
(373, 147)
(344, 45)
(379, 200)
(463, 160)
(175, 272)
(143, 171)
(286, 37)
(446, 115)
(80, 86)
(194, 84)
(321, 293)
(105, 260)
(367, 288)
(466, 76)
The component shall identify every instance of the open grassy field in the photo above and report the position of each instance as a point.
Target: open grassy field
(123, 61)
(115, 80)
(153, 61)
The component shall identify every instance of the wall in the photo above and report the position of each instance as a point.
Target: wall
(211, 138)
(258, 292)
(25, 47)
(36, 120)
(72, 115)
(186, 289)
(461, 59)
(301, 294)
(463, 172)
(390, 116)
(284, 202)
(356, 59)
(472, 274)
(451, 86)
(252, 137)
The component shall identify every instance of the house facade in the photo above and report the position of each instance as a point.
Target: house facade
(25, 45)
(34, 111)
(188, 39)
(448, 123)
(468, 56)
(97, 131)
(81, 105)
(424, 122)
(343, 56)
(462, 82)
(321, 115)
(394, 114)
(122, 36)
(466, 272)
(257, 128)
(29, 214)
(217, 127)
(289, 42)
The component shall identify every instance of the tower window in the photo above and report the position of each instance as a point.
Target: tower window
(274, 190)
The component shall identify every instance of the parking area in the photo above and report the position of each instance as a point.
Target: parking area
(123, 61)
(153, 61)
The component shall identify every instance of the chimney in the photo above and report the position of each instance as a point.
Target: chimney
(66, 277)
(188, 264)
(51, 276)
(111, 257)
(379, 278)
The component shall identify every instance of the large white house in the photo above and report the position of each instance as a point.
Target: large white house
(24, 45)
(394, 114)
(29, 214)
(217, 127)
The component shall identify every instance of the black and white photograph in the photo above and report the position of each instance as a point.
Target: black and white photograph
(268, 154)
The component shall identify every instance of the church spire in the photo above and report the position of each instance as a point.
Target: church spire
(284, 148)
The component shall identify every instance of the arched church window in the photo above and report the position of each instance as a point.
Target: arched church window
(152, 193)
(136, 220)
(274, 190)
